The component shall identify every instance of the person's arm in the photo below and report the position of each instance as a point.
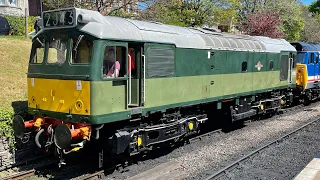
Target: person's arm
(117, 69)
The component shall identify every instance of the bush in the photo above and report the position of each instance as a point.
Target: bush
(17, 24)
(6, 127)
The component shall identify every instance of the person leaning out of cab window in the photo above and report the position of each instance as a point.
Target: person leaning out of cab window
(111, 67)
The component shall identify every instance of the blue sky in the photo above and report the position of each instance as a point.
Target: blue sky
(307, 2)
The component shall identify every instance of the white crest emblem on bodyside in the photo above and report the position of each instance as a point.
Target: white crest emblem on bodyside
(259, 66)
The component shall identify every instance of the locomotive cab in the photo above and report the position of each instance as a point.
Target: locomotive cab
(76, 82)
(308, 67)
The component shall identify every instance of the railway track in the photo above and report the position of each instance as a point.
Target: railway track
(199, 137)
(20, 175)
(21, 163)
(100, 174)
(32, 168)
(235, 164)
(96, 175)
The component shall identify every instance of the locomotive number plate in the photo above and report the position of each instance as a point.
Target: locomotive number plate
(59, 19)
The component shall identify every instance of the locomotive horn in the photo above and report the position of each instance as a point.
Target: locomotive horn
(18, 126)
(62, 136)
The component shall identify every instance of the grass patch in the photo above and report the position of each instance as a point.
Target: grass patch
(14, 56)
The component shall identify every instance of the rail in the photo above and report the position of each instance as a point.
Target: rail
(20, 175)
(96, 175)
(237, 162)
(33, 159)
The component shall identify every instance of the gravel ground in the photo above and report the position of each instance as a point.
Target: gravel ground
(243, 141)
(283, 160)
(211, 153)
(218, 150)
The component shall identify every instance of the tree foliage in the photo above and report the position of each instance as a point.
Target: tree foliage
(183, 13)
(315, 7)
(311, 32)
(263, 24)
(6, 130)
(105, 7)
(289, 11)
(225, 10)
(192, 13)
(286, 17)
(291, 17)
(17, 24)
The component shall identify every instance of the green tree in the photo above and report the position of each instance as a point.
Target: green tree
(315, 7)
(290, 13)
(195, 12)
(291, 17)
(164, 11)
(192, 13)
(311, 32)
(225, 11)
(105, 7)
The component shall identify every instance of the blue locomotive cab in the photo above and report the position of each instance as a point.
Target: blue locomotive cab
(308, 67)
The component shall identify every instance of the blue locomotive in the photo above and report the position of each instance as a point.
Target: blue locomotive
(308, 69)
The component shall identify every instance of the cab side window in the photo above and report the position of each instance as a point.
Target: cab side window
(37, 51)
(114, 62)
(244, 66)
(271, 65)
(311, 58)
(81, 50)
(317, 58)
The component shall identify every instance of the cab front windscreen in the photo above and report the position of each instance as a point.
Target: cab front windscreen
(61, 53)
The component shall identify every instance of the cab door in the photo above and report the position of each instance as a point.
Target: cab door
(292, 68)
(311, 66)
(285, 67)
(137, 62)
(113, 91)
(135, 53)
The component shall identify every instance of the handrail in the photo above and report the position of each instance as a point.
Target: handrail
(129, 79)
(144, 78)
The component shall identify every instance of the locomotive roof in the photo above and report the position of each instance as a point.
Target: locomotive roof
(109, 27)
(305, 46)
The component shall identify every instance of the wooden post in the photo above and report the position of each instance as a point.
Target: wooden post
(26, 13)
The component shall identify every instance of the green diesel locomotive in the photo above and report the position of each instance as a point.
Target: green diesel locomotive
(131, 85)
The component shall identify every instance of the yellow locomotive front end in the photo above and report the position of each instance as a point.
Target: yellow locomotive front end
(59, 82)
(61, 96)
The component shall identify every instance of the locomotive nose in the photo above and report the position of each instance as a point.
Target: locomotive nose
(18, 126)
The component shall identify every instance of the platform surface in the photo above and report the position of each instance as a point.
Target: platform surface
(311, 171)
